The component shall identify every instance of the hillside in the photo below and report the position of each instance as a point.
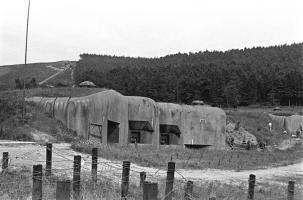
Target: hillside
(39, 71)
(261, 75)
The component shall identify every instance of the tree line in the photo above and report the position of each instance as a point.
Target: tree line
(260, 75)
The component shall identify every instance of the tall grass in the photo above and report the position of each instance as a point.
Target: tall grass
(17, 184)
(148, 155)
(13, 127)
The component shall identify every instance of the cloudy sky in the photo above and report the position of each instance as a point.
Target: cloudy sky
(62, 29)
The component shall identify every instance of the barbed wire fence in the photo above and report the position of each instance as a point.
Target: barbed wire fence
(115, 178)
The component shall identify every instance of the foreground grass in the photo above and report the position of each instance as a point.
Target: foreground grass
(148, 155)
(17, 184)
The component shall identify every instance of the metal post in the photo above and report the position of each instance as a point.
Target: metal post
(4, 160)
(37, 182)
(94, 164)
(48, 170)
(169, 181)
(291, 190)
(188, 194)
(251, 186)
(125, 179)
(142, 178)
(76, 177)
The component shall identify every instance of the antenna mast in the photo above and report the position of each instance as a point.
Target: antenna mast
(25, 60)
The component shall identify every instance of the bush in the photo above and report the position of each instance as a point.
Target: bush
(19, 134)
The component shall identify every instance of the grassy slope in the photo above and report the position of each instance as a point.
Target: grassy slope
(63, 92)
(11, 100)
(49, 92)
(32, 70)
(11, 110)
(63, 78)
(35, 121)
(195, 159)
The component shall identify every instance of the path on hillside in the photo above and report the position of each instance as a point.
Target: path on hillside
(54, 68)
(59, 71)
(28, 154)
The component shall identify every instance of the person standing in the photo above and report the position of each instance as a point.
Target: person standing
(270, 126)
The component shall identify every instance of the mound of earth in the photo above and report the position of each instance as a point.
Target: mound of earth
(240, 135)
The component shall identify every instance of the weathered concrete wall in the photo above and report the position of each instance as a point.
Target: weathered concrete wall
(59, 109)
(212, 122)
(279, 120)
(171, 114)
(109, 105)
(289, 123)
(145, 109)
(199, 125)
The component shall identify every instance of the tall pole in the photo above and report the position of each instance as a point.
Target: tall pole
(25, 60)
(29, 3)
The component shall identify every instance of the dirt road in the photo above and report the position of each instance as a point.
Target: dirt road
(28, 154)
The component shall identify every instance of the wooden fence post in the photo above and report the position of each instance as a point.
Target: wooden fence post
(142, 178)
(125, 179)
(76, 177)
(291, 190)
(150, 191)
(48, 168)
(251, 186)
(188, 193)
(37, 182)
(4, 160)
(63, 190)
(94, 164)
(169, 181)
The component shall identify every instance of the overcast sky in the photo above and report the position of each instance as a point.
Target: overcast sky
(62, 29)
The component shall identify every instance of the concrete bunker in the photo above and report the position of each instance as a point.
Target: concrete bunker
(110, 117)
